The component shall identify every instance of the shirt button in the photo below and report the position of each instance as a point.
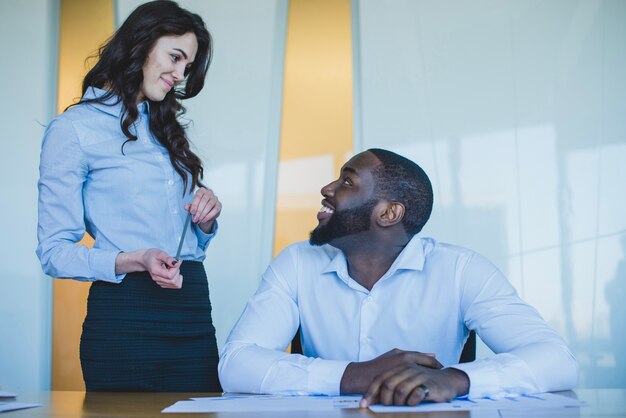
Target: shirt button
(160, 157)
(171, 182)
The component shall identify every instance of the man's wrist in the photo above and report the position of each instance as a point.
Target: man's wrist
(350, 378)
(459, 379)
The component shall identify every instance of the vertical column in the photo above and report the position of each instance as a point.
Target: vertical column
(316, 131)
(84, 26)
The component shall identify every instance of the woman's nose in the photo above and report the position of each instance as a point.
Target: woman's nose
(179, 73)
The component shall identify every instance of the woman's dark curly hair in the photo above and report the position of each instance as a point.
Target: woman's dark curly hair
(119, 70)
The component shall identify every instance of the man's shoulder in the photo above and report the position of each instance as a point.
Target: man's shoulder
(433, 247)
(462, 258)
(303, 249)
(302, 259)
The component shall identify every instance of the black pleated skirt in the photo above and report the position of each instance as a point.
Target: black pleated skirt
(140, 337)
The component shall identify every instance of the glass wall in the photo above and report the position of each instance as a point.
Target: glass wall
(28, 37)
(516, 111)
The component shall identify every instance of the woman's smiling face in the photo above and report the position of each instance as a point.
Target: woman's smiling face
(166, 65)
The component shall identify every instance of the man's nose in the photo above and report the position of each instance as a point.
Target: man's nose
(329, 189)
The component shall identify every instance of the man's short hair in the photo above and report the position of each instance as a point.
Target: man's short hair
(399, 179)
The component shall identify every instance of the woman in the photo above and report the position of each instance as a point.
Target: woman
(118, 165)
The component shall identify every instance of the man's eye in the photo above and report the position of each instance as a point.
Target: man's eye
(347, 182)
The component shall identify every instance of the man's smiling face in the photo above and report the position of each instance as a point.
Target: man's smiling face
(348, 201)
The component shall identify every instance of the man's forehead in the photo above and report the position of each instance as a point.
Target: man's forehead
(362, 161)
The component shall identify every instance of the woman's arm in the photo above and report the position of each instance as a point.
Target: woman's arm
(63, 171)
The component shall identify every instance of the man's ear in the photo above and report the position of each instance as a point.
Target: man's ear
(389, 213)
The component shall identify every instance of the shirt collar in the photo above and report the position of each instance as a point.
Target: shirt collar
(113, 105)
(410, 258)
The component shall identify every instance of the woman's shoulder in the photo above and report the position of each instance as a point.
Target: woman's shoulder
(86, 117)
(95, 104)
(67, 120)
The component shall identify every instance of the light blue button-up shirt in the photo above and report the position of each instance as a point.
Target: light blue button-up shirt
(126, 201)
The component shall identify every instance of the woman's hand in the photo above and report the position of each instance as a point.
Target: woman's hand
(163, 268)
(204, 209)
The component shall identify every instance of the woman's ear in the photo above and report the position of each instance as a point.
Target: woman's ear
(389, 213)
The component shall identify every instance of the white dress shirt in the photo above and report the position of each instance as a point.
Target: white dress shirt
(427, 301)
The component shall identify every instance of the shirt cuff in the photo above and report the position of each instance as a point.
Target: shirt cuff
(496, 377)
(205, 238)
(484, 379)
(102, 265)
(325, 376)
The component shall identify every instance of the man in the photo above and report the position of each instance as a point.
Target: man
(384, 312)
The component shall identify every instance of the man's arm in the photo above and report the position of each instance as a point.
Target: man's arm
(254, 360)
(530, 356)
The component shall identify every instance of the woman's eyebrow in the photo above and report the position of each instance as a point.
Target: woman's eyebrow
(182, 52)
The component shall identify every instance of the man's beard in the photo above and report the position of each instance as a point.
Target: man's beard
(343, 223)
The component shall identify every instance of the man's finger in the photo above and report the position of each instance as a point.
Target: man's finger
(395, 388)
(417, 395)
(371, 395)
(368, 400)
(410, 379)
(426, 360)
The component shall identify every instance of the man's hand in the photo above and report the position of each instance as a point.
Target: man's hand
(410, 385)
(359, 376)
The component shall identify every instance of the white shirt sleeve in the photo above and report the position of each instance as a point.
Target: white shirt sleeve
(254, 360)
(530, 356)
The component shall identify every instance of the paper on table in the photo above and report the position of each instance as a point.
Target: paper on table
(542, 400)
(254, 403)
(14, 406)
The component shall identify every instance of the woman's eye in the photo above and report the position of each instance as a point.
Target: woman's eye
(174, 57)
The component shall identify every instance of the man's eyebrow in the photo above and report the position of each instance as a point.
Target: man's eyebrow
(350, 170)
(182, 52)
